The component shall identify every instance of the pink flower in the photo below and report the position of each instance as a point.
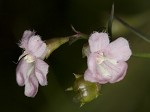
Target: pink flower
(32, 70)
(106, 61)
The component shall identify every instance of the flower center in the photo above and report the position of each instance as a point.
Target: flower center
(100, 57)
(29, 58)
(103, 67)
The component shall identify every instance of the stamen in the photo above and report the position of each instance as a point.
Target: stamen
(100, 58)
(29, 58)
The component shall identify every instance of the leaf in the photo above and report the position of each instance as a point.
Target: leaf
(135, 31)
(110, 21)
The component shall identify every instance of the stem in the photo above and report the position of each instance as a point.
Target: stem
(142, 55)
(138, 33)
(111, 21)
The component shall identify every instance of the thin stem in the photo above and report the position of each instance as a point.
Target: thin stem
(142, 55)
(135, 31)
(110, 22)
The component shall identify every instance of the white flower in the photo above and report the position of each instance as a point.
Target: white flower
(32, 70)
(106, 61)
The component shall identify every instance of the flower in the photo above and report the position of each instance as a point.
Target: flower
(32, 70)
(106, 61)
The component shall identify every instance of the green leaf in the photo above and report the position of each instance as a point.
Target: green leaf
(135, 31)
(110, 21)
(142, 55)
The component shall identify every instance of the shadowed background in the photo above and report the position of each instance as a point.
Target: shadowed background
(52, 18)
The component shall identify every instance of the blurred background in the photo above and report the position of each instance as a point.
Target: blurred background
(52, 18)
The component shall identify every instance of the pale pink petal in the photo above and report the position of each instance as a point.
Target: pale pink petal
(41, 52)
(31, 86)
(92, 62)
(25, 38)
(95, 77)
(102, 74)
(89, 76)
(114, 72)
(98, 41)
(119, 50)
(36, 46)
(121, 73)
(21, 71)
(41, 70)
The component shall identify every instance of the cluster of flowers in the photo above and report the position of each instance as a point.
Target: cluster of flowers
(106, 61)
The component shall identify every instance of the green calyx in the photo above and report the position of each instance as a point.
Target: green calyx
(53, 44)
(85, 91)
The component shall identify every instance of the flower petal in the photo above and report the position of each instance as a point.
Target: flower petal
(25, 38)
(21, 71)
(114, 72)
(119, 50)
(31, 86)
(36, 46)
(123, 69)
(92, 62)
(41, 70)
(89, 76)
(98, 41)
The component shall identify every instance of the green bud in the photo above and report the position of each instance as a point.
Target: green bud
(53, 44)
(85, 91)
(85, 50)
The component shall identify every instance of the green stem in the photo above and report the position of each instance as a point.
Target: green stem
(143, 55)
(138, 33)
(111, 21)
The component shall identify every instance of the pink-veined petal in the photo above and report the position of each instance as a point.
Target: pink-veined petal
(114, 72)
(92, 71)
(31, 86)
(119, 50)
(98, 41)
(89, 76)
(21, 71)
(36, 46)
(25, 38)
(91, 62)
(41, 70)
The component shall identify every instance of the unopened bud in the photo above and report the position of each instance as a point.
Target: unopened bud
(85, 91)
(53, 44)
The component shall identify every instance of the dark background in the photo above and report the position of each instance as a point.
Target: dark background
(52, 18)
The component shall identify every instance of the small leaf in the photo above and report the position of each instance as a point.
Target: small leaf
(135, 31)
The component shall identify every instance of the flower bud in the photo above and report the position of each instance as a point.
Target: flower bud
(53, 44)
(85, 91)
(85, 50)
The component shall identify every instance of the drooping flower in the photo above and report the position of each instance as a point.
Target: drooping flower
(106, 61)
(32, 70)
